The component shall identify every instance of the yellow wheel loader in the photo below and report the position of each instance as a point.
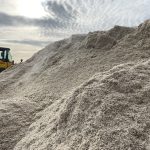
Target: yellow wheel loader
(5, 58)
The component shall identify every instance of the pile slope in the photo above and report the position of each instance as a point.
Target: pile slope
(111, 111)
(34, 89)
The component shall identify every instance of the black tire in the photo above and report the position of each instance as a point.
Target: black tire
(2, 69)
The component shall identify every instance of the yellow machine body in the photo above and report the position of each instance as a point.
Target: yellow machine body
(5, 58)
(5, 65)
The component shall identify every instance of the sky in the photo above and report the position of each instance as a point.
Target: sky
(27, 26)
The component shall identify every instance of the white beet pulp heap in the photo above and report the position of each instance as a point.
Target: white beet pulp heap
(88, 92)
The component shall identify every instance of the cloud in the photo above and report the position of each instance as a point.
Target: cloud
(61, 16)
(89, 15)
(9, 20)
(81, 16)
(60, 10)
(28, 42)
(84, 16)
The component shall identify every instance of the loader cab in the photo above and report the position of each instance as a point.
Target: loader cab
(5, 55)
(5, 58)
